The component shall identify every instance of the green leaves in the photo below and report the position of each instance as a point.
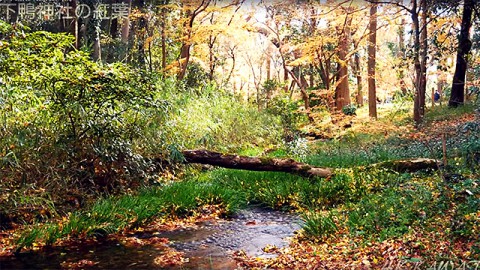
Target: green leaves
(61, 111)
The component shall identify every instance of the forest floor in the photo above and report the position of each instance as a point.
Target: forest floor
(430, 244)
(419, 220)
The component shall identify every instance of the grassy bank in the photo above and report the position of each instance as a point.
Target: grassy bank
(371, 207)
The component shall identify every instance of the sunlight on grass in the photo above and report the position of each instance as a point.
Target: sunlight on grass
(441, 113)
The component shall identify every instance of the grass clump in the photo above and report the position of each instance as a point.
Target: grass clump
(319, 225)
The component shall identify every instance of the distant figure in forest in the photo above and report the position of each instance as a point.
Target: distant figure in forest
(436, 96)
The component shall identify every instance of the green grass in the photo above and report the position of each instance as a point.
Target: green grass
(113, 214)
(440, 113)
(319, 225)
(363, 201)
(342, 154)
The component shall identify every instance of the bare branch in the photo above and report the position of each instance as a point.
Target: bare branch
(410, 10)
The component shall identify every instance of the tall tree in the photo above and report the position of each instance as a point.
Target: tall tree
(278, 21)
(126, 25)
(342, 93)
(191, 9)
(420, 60)
(163, 35)
(401, 56)
(372, 48)
(358, 74)
(418, 10)
(464, 46)
(92, 30)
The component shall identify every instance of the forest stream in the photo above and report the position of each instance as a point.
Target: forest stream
(208, 246)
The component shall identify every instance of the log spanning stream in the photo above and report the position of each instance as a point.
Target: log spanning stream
(207, 247)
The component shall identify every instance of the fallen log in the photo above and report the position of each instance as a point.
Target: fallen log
(255, 163)
(289, 165)
(408, 165)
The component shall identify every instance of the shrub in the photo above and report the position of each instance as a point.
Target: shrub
(217, 121)
(79, 115)
(350, 109)
(288, 111)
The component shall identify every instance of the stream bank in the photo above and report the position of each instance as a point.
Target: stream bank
(207, 246)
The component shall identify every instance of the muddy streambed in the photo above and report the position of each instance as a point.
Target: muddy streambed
(208, 246)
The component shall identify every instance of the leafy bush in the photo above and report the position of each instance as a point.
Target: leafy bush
(80, 116)
(196, 77)
(288, 111)
(349, 109)
(68, 121)
(213, 120)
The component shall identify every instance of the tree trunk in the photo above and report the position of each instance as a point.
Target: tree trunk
(464, 45)
(93, 32)
(420, 60)
(126, 26)
(232, 55)
(255, 163)
(184, 57)
(372, 48)
(358, 73)
(163, 35)
(212, 59)
(342, 93)
(285, 79)
(269, 65)
(293, 167)
(401, 56)
(301, 82)
(75, 26)
(97, 49)
(408, 165)
(423, 60)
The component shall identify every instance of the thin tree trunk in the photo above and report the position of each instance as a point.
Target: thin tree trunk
(126, 26)
(93, 32)
(423, 60)
(184, 57)
(212, 59)
(464, 45)
(418, 69)
(301, 82)
(183, 60)
(401, 56)
(163, 39)
(285, 79)
(269, 61)
(97, 49)
(311, 78)
(75, 26)
(372, 48)
(358, 73)
(232, 54)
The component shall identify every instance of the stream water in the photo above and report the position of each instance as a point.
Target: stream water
(207, 247)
